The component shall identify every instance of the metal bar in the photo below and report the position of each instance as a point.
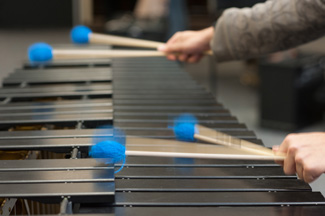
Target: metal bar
(52, 165)
(57, 176)
(98, 192)
(205, 185)
(202, 173)
(191, 199)
(212, 211)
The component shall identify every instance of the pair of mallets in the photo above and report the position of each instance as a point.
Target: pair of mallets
(42, 52)
(185, 128)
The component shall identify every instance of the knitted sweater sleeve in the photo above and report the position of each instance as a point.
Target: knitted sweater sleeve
(267, 27)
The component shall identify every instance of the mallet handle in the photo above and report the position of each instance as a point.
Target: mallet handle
(204, 156)
(86, 54)
(219, 138)
(122, 41)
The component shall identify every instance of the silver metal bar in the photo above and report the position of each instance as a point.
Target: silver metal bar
(57, 176)
(98, 192)
(52, 164)
(64, 145)
(57, 111)
(56, 118)
(64, 63)
(57, 94)
(56, 104)
(57, 88)
(84, 133)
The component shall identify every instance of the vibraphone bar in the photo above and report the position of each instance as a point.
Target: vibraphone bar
(57, 108)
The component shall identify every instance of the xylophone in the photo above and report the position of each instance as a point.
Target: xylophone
(49, 116)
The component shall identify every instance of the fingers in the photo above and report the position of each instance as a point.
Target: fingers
(172, 57)
(286, 143)
(300, 171)
(304, 155)
(306, 167)
(184, 46)
(276, 152)
(174, 52)
(312, 169)
(174, 44)
(289, 166)
(194, 58)
(183, 57)
(310, 176)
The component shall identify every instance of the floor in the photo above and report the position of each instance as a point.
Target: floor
(241, 99)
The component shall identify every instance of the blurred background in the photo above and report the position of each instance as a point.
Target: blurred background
(274, 95)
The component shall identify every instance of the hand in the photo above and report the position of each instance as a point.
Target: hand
(305, 155)
(188, 46)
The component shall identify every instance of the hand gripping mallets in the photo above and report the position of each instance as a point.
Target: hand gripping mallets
(83, 35)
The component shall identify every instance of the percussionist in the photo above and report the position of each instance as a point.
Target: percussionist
(249, 32)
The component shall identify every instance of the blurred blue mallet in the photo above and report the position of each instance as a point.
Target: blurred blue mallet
(108, 145)
(111, 146)
(83, 35)
(186, 129)
(112, 152)
(42, 53)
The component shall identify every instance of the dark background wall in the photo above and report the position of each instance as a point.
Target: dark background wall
(35, 13)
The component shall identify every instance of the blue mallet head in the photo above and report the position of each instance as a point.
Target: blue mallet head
(80, 34)
(40, 52)
(109, 150)
(109, 145)
(184, 127)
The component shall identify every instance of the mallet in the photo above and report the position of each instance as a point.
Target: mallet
(42, 52)
(186, 128)
(83, 35)
(114, 148)
(116, 151)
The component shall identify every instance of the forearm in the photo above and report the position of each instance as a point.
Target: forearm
(267, 27)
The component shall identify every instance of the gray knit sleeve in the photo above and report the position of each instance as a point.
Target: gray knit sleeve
(267, 27)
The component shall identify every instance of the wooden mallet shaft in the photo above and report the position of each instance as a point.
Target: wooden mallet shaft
(91, 54)
(139, 146)
(204, 156)
(42, 52)
(219, 138)
(96, 38)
